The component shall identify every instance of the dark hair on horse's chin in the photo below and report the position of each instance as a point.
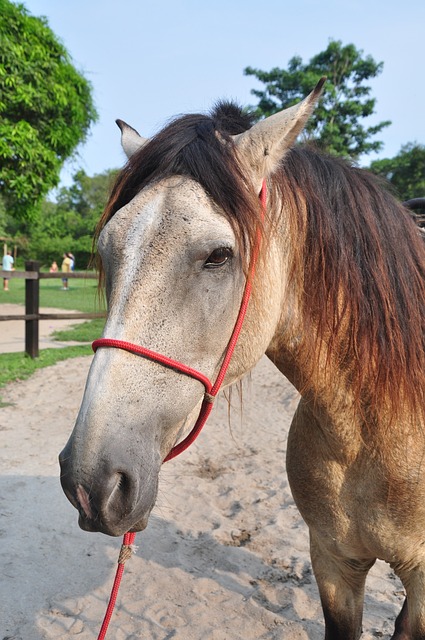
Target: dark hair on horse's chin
(199, 147)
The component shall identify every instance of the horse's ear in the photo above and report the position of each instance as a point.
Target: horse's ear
(131, 141)
(262, 147)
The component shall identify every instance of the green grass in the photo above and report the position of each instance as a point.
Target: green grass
(81, 296)
(18, 366)
(84, 332)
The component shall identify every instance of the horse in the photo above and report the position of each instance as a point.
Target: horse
(337, 304)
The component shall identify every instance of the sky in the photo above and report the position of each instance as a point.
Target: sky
(150, 60)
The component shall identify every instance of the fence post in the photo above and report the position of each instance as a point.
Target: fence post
(32, 300)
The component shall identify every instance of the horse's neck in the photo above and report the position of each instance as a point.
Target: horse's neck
(326, 384)
(329, 403)
(336, 396)
(326, 411)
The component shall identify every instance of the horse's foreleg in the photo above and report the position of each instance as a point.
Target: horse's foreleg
(341, 583)
(402, 627)
(410, 623)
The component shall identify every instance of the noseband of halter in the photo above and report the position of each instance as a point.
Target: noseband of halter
(211, 389)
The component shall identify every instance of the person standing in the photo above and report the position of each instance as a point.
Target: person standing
(7, 265)
(65, 268)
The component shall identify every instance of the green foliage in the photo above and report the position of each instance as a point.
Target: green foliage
(336, 122)
(46, 109)
(69, 223)
(406, 171)
(3, 218)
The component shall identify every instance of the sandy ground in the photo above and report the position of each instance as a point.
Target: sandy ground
(225, 555)
(12, 333)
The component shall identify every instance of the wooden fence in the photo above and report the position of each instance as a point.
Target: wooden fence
(33, 276)
(32, 315)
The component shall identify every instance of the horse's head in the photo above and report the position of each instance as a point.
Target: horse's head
(174, 263)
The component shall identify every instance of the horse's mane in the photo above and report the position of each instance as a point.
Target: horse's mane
(357, 256)
(361, 271)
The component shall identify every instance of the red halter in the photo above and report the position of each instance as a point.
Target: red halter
(211, 391)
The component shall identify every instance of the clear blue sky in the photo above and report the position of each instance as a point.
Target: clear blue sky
(151, 60)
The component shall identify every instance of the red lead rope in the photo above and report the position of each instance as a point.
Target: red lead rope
(211, 391)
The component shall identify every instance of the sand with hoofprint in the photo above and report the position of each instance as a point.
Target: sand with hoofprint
(225, 555)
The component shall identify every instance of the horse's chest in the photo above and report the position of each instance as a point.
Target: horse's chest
(329, 477)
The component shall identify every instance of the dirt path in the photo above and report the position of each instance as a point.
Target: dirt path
(225, 556)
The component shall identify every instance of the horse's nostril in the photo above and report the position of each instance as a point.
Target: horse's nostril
(122, 494)
(123, 483)
(111, 500)
(84, 501)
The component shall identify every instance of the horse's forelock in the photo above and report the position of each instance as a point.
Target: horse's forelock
(189, 146)
(231, 118)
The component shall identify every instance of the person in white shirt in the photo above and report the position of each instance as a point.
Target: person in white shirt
(7, 265)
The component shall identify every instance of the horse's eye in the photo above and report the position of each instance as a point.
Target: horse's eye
(218, 258)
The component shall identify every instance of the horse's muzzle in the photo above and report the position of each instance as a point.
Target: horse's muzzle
(108, 501)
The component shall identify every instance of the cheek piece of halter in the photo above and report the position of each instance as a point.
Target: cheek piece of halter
(211, 391)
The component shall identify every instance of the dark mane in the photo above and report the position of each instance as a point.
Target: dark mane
(192, 145)
(361, 269)
(357, 258)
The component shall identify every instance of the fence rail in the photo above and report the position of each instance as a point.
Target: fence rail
(32, 276)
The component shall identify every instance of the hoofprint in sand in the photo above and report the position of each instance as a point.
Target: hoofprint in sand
(225, 555)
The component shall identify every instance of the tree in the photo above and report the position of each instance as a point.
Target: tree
(46, 109)
(3, 219)
(336, 122)
(406, 171)
(69, 223)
